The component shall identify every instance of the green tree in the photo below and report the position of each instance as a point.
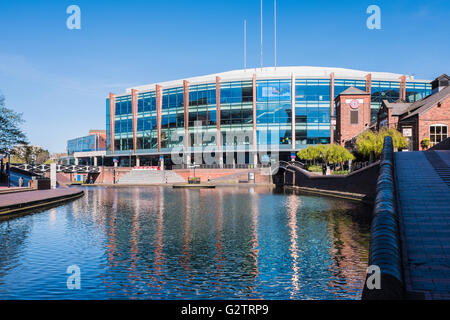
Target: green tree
(331, 153)
(24, 153)
(335, 153)
(10, 132)
(370, 143)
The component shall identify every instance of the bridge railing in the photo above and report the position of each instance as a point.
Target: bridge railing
(42, 168)
(385, 250)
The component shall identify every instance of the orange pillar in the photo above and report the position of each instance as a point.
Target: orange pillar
(112, 115)
(158, 114)
(255, 155)
(134, 110)
(332, 118)
(186, 121)
(219, 135)
(402, 92)
(293, 125)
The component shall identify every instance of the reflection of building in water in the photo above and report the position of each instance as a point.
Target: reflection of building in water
(159, 235)
(254, 253)
(134, 240)
(349, 252)
(186, 250)
(294, 203)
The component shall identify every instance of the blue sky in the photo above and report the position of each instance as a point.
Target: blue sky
(59, 78)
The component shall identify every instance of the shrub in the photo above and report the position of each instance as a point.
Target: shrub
(331, 153)
(370, 142)
(425, 143)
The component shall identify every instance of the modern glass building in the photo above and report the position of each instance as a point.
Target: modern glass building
(95, 141)
(283, 108)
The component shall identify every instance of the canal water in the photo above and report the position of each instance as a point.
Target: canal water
(164, 243)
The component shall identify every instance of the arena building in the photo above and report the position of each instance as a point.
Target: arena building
(283, 109)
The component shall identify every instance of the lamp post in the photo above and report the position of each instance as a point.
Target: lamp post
(33, 159)
(194, 169)
(8, 151)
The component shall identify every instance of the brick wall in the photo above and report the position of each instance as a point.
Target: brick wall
(362, 181)
(106, 175)
(435, 115)
(344, 130)
(234, 174)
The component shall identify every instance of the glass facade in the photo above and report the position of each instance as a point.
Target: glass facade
(416, 91)
(275, 99)
(146, 132)
(83, 144)
(312, 111)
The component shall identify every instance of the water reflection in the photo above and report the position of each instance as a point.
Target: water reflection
(159, 243)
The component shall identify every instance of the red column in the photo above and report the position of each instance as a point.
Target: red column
(134, 110)
(112, 115)
(254, 113)
(369, 83)
(219, 136)
(402, 92)
(293, 124)
(186, 113)
(158, 114)
(332, 118)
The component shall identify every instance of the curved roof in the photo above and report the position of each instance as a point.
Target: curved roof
(305, 72)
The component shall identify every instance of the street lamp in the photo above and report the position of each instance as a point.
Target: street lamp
(33, 159)
(8, 152)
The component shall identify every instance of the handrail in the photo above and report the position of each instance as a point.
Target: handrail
(385, 251)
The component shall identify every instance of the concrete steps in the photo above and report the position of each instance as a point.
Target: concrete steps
(150, 177)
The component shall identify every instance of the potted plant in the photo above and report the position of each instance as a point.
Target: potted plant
(425, 143)
(194, 180)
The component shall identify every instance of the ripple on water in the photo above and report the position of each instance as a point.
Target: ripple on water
(160, 243)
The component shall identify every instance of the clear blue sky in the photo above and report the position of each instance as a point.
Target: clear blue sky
(59, 78)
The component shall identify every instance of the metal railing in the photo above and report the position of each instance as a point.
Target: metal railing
(224, 166)
(42, 168)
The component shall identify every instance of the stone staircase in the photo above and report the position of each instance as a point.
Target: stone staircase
(141, 177)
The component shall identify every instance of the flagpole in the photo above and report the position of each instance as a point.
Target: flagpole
(261, 34)
(275, 28)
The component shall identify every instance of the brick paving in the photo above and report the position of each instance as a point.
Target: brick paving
(23, 198)
(424, 208)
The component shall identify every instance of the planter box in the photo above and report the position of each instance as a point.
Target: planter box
(194, 180)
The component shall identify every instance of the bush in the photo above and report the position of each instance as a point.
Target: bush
(370, 142)
(194, 180)
(338, 172)
(314, 168)
(425, 143)
(331, 153)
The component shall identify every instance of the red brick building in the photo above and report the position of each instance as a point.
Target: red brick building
(352, 114)
(426, 118)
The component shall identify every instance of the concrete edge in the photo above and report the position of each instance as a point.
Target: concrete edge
(9, 210)
(172, 184)
(15, 190)
(336, 194)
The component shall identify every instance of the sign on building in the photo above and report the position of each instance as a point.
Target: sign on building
(407, 132)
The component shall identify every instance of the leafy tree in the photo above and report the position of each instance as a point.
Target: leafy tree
(335, 153)
(370, 143)
(24, 153)
(10, 132)
(330, 153)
